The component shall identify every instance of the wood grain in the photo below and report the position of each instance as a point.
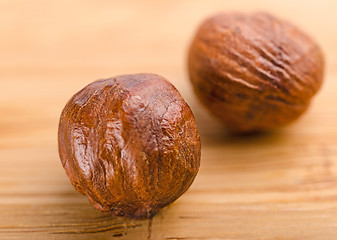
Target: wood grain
(280, 185)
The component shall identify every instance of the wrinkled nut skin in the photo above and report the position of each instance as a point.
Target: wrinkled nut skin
(254, 72)
(129, 143)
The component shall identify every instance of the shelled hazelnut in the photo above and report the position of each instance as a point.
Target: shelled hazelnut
(130, 144)
(254, 72)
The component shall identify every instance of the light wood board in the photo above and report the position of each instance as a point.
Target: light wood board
(281, 185)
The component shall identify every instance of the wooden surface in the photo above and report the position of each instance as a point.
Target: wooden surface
(281, 185)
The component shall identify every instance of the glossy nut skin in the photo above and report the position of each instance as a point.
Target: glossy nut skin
(254, 72)
(129, 143)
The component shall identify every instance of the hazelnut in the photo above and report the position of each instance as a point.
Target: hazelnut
(253, 71)
(130, 144)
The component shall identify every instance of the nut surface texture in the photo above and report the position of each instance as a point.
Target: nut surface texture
(130, 144)
(254, 72)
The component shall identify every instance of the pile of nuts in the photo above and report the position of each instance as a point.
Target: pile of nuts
(130, 143)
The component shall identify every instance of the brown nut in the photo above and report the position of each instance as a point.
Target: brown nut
(130, 144)
(253, 71)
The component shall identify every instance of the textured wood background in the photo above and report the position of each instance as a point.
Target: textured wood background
(281, 185)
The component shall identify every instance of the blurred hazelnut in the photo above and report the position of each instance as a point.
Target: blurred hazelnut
(254, 72)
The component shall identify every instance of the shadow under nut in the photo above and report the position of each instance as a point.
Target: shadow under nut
(130, 144)
(253, 71)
